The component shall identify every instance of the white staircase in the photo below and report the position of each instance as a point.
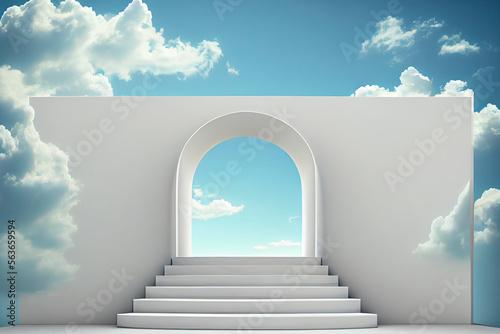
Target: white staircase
(238, 293)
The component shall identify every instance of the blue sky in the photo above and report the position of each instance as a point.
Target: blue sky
(288, 47)
(293, 47)
(245, 217)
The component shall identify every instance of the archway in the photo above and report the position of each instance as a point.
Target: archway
(247, 124)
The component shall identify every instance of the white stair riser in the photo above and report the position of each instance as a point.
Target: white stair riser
(247, 321)
(247, 306)
(217, 261)
(250, 280)
(245, 270)
(274, 292)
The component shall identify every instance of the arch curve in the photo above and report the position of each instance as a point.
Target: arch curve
(245, 124)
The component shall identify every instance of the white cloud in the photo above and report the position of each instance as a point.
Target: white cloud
(372, 90)
(281, 243)
(455, 44)
(8, 143)
(450, 235)
(285, 243)
(456, 88)
(487, 216)
(232, 70)
(487, 128)
(413, 83)
(198, 192)
(35, 186)
(67, 50)
(47, 264)
(216, 208)
(291, 219)
(76, 43)
(389, 35)
(429, 24)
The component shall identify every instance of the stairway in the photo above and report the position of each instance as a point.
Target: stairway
(239, 293)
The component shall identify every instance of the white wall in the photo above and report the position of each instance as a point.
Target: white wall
(124, 217)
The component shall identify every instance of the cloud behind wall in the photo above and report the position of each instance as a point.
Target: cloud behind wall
(487, 128)
(449, 235)
(486, 213)
(413, 83)
(67, 50)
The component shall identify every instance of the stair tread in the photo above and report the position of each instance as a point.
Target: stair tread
(236, 315)
(235, 292)
(243, 266)
(246, 305)
(217, 260)
(246, 299)
(247, 287)
(245, 270)
(247, 321)
(245, 276)
(247, 280)
(244, 257)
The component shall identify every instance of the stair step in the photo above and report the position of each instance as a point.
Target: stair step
(176, 305)
(247, 321)
(246, 261)
(247, 292)
(251, 280)
(245, 270)
(262, 293)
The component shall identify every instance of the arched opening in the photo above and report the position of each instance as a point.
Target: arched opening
(247, 201)
(245, 124)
